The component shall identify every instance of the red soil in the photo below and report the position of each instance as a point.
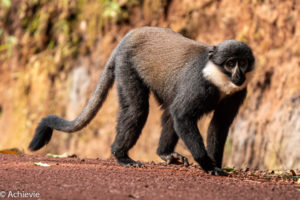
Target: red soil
(75, 178)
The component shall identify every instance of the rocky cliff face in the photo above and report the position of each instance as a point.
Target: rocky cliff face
(52, 53)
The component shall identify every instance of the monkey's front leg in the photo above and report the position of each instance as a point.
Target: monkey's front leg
(220, 123)
(188, 131)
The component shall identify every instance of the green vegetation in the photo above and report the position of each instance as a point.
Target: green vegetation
(5, 3)
(7, 47)
(47, 37)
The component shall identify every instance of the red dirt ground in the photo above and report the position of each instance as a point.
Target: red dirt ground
(75, 178)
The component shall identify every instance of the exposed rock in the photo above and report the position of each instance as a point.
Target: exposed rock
(44, 41)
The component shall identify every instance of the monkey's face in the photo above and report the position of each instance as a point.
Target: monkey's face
(236, 69)
(235, 60)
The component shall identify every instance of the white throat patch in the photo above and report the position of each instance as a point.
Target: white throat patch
(213, 74)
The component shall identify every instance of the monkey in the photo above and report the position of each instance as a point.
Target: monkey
(188, 79)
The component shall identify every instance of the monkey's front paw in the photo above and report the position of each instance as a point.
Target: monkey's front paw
(218, 172)
(175, 158)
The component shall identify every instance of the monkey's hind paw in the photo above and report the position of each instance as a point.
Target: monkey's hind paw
(218, 172)
(175, 158)
(128, 162)
(133, 164)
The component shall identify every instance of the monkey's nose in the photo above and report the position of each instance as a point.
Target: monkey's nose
(238, 81)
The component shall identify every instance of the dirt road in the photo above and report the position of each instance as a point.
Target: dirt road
(75, 178)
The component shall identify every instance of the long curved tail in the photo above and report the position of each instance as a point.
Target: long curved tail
(45, 128)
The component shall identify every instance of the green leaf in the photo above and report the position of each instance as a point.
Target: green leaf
(228, 169)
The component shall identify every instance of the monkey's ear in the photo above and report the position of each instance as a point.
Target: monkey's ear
(211, 51)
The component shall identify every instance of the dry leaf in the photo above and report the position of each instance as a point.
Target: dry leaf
(293, 172)
(65, 155)
(41, 164)
(11, 151)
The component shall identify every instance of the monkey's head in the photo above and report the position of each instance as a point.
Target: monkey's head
(235, 59)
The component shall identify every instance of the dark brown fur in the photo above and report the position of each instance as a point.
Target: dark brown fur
(187, 78)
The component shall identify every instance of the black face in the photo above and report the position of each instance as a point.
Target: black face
(234, 58)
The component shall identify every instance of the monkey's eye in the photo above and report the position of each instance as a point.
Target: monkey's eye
(230, 64)
(243, 63)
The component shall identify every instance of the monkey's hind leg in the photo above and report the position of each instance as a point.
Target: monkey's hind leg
(168, 141)
(134, 107)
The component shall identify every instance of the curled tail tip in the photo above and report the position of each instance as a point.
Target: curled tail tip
(41, 137)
